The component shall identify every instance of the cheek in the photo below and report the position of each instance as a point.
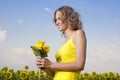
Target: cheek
(60, 22)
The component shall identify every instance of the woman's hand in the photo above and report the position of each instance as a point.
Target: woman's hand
(43, 62)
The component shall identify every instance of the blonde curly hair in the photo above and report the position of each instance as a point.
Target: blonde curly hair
(69, 17)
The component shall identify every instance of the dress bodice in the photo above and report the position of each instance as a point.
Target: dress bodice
(66, 53)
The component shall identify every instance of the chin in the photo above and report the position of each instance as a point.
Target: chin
(61, 30)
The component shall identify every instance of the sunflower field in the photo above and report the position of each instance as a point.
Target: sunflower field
(26, 74)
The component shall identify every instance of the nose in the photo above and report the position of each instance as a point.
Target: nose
(57, 22)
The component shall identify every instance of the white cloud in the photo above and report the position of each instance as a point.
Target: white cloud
(16, 57)
(20, 21)
(2, 35)
(18, 50)
(47, 9)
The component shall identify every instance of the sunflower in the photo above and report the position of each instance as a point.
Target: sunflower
(41, 41)
(46, 48)
(94, 73)
(9, 75)
(23, 74)
(40, 49)
(39, 46)
(0, 73)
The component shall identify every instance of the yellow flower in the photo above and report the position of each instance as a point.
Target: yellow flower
(39, 46)
(23, 74)
(46, 48)
(9, 75)
(94, 73)
(41, 41)
(40, 49)
(0, 73)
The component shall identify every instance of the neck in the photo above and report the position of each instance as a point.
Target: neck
(68, 33)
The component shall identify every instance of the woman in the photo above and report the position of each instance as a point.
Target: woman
(71, 55)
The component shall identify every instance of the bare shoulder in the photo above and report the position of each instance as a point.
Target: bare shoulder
(79, 33)
(80, 37)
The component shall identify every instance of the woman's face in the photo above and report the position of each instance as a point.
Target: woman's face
(59, 22)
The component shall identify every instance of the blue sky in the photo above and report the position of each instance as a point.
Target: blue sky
(24, 22)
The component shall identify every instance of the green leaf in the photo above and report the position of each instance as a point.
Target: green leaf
(40, 52)
(36, 51)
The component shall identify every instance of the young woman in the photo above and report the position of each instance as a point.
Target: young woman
(71, 55)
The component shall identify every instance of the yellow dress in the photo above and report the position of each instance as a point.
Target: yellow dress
(67, 53)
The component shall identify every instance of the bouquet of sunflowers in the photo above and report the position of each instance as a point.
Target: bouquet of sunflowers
(40, 49)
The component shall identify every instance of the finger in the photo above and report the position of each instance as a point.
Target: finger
(39, 63)
(39, 57)
(38, 60)
(40, 66)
